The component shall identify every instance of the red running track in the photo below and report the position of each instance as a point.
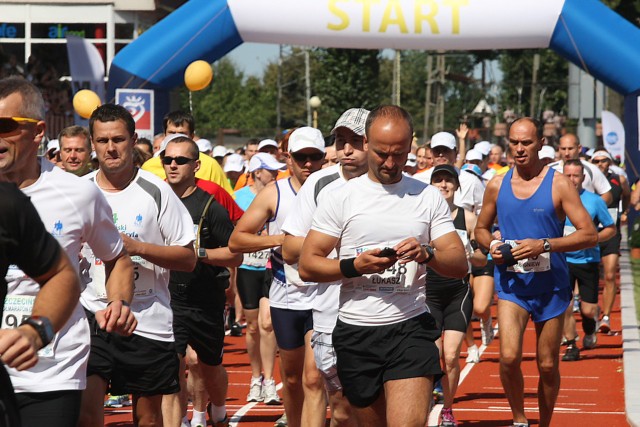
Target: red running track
(591, 394)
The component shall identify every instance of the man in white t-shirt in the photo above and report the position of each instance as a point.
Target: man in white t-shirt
(388, 227)
(594, 180)
(349, 140)
(157, 231)
(74, 212)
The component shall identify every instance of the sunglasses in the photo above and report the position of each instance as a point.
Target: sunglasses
(180, 160)
(300, 157)
(597, 161)
(9, 124)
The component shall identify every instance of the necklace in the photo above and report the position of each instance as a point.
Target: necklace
(100, 173)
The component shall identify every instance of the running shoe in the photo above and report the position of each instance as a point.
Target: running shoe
(117, 401)
(590, 341)
(605, 325)
(255, 390)
(521, 424)
(473, 355)
(486, 329)
(269, 393)
(447, 418)
(236, 330)
(282, 421)
(223, 423)
(572, 354)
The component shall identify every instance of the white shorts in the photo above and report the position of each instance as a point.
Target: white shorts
(325, 357)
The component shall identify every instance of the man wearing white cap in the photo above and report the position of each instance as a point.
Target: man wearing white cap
(290, 298)
(411, 166)
(547, 154)
(610, 249)
(349, 141)
(469, 195)
(204, 145)
(594, 179)
(233, 167)
(268, 146)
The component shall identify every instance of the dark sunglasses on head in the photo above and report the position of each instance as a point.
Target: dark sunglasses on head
(9, 124)
(180, 160)
(301, 157)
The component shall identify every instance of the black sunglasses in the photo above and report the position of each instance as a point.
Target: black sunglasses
(9, 124)
(597, 161)
(180, 160)
(301, 157)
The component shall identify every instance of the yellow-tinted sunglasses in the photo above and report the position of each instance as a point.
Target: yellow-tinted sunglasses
(9, 124)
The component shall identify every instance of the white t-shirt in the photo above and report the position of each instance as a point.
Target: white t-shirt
(468, 196)
(594, 180)
(325, 304)
(366, 215)
(149, 211)
(74, 212)
(287, 290)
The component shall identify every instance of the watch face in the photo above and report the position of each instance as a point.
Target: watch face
(202, 253)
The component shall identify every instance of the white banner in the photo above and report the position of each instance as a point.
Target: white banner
(613, 135)
(86, 66)
(399, 24)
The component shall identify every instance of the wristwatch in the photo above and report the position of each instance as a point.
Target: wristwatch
(430, 253)
(43, 327)
(546, 245)
(202, 253)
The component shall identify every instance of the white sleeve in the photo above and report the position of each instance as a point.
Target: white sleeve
(99, 231)
(600, 182)
(440, 221)
(464, 196)
(328, 217)
(176, 225)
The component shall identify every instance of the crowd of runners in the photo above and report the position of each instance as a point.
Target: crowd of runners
(359, 260)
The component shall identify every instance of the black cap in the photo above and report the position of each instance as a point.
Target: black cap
(446, 169)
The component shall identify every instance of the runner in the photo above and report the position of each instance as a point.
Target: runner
(157, 231)
(384, 337)
(584, 265)
(349, 135)
(450, 301)
(531, 202)
(290, 304)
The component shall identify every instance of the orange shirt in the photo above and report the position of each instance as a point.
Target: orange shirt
(245, 179)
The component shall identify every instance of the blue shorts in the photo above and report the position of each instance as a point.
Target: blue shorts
(541, 307)
(290, 326)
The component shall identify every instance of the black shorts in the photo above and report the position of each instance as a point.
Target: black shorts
(290, 326)
(487, 270)
(202, 329)
(53, 408)
(9, 413)
(611, 246)
(266, 284)
(588, 277)
(250, 285)
(134, 364)
(369, 356)
(451, 306)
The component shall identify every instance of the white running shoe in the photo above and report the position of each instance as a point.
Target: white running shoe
(486, 329)
(255, 390)
(473, 354)
(269, 393)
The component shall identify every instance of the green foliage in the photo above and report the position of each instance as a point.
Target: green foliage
(634, 239)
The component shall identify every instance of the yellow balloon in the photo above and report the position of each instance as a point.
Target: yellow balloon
(85, 101)
(198, 75)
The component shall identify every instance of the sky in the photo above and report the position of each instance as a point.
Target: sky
(252, 58)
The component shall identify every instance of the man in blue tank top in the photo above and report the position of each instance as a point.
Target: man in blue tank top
(531, 203)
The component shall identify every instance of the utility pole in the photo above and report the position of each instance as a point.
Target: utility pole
(395, 87)
(307, 83)
(279, 96)
(427, 97)
(439, 117)
(534, 83)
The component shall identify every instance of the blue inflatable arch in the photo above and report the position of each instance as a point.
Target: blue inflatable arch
(586, 32)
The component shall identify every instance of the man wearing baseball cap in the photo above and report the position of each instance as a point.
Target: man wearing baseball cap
(290, 298)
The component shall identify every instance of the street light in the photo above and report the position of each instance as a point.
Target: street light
(314, 103)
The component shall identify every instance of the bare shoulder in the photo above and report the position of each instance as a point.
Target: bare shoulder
(493, 186)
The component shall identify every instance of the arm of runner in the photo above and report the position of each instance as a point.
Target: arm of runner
(181, 258)
(117, 317)
(56, 300)
(222, 257)
(244, 238)
(291, 248)
(607, 197)
(477, 258)
(487, 218)
(314, 266)
(450, 258)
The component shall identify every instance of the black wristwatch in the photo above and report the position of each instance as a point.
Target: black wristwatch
(43, 327)
(546, 245)
(202, 253)
(430, 253)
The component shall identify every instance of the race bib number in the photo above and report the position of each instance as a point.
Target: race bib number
(144, 277)
(530, 265)
(396, 279)
(17, 308)
(257, 259)
(568, 230)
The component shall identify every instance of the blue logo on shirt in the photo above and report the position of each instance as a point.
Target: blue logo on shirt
(57, 228)
(138, 220)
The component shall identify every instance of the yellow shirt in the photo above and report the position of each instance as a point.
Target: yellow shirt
(209, 170)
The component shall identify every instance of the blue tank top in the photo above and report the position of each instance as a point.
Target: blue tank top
(531, 218)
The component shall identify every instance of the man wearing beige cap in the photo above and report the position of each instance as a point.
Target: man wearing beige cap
(290, 298)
